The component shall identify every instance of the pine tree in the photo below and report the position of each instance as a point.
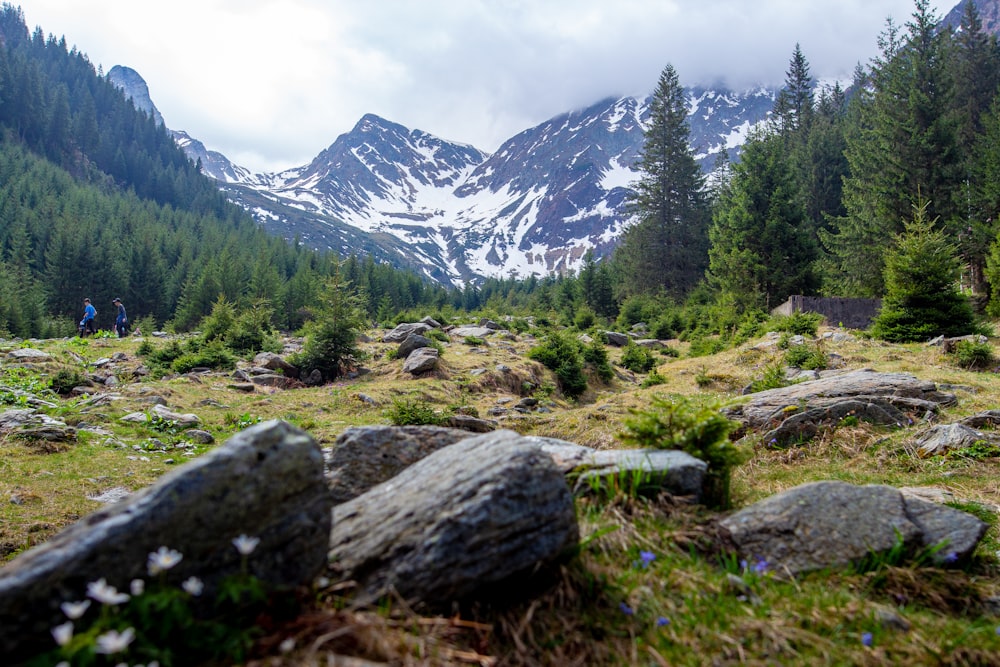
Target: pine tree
(762, 249)
(793, 108)
(922, 298)
(975, 61)
(666, 249)
(900, 140)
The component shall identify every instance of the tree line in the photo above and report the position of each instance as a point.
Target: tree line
(98, 201)
(821, 195)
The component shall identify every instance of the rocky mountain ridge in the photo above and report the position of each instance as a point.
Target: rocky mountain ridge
(457, 214)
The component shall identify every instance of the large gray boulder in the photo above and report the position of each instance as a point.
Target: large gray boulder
(28, 354)
(471, 331)
(485, 513)
(421, 360)
(363, 456)
(274, 362)
(266, 482)
(833, 524)
(942, 438)
(399, 334)
(867, 394)
(411, 343)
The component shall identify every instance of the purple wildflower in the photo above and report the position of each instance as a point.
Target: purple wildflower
(866, 639)
(661, 621)
(627, 610)
(645, 558)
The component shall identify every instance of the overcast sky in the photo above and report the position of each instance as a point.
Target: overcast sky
(271, 83)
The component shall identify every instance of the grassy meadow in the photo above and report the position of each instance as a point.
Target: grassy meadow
(651, 584)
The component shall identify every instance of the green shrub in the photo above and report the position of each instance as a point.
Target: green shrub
(653, 379)
(774, 377)
(474, 341)
(806, 357)
(972, 355)
(65, 379)
(438, 335)
(584, 319)
(671, 352)
(165, 355)
(211, 355)
(637, 358)
(596, 355)
(702, 346)
(562, 355)
(701, 431)
(796, 324)
(405, 412)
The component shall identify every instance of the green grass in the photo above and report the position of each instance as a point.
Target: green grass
(686, 607)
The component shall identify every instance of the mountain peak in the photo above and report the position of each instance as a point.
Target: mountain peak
(134, 87)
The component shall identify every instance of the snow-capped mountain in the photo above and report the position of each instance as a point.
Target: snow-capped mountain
(456, 214)
(536, 206)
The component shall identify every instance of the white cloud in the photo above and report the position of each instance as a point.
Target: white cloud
(270, 83)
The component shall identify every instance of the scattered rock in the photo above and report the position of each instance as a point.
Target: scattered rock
(111, 496)
(471, 331)
(471, 424)
(421, 360)
(411, 343)
(399, 334)
(893, 397)
(274, 380)
(274, 362)
(431, 322)
(367, 400)
(364, 456)
(990, 418)
(196, 509)
(616, 339)
(832, 524)
(199, 436)
(28, 354)
(485, 516)
(942, 438)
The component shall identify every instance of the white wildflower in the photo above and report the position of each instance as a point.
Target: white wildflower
(193, 585)
(138, 586)
(105, 594)
(162, 560)
(63, 633)
(287, 645)
(113, 641)
(246, 544)
(75, 610)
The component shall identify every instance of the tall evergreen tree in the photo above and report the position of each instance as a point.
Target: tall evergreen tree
(666, 249)
(900, 141)
(762, 249)
(793, 108)
(975, 61)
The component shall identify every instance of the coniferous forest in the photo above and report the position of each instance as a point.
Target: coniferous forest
(97, 200)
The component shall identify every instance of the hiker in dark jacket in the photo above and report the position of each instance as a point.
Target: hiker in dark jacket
(121, 320)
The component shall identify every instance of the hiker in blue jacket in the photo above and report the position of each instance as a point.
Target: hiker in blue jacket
(87, 323)
(121, 320)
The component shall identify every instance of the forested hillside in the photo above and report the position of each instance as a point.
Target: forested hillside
(96, 200)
